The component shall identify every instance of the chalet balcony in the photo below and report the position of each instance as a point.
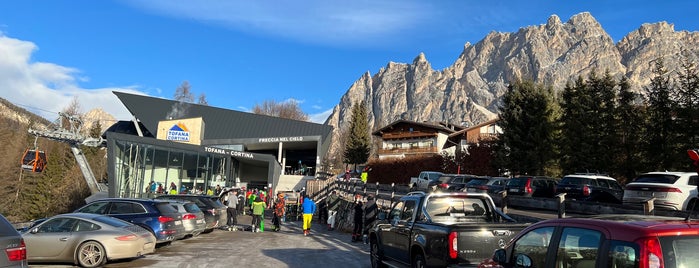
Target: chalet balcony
(424, 150)
(482, 137)
(408, 135)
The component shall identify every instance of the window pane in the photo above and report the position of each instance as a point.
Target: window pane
(535, 245)
(578, 248)
(623, 255)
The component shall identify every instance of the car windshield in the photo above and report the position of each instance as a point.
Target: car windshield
(112, 221)
(477, 181)
(166, 208)
(191, 208)
(657, 178)
(682, 250)
(456, 209)
(575, 181)
(517, 182)
(444, 179)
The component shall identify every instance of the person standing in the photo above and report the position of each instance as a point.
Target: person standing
(358, 221)
(279, 206)
(309, 208)
(241, 202)
(333, 203)
(173, 188)
(232, 209)
(258, 209)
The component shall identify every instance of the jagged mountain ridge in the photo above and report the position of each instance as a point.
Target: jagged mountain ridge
(470, 89)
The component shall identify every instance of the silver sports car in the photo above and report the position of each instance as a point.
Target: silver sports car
(88, 240)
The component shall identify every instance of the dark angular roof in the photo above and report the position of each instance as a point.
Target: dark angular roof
(438, 126)
(219, 123)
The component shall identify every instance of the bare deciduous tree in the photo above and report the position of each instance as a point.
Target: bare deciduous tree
(288, 109)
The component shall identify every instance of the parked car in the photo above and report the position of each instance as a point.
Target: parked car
(87, 240)
(671, 190)
(440, 230)
(490, 185)
(532, 186)
(620, 241)
(214, 215)
(591, 187)
(193, 218)
(452, 182)
(13, 244)
(156, 216)
(422, 181)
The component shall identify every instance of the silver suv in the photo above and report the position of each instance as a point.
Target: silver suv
(671, 190)
(12, 242)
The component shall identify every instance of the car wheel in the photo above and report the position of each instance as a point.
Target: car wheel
(418, 261)
(376, 256)
(692, 205)
(91, 254)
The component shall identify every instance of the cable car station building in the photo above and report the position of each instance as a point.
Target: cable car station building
(196, 147)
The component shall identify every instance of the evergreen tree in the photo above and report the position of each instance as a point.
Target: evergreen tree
(527, 121)
(357, 146)
(661, 149)
(608, 140)
(687, 107)
(630, 117)
(574, 148)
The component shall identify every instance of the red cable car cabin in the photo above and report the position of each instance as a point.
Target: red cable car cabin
(34, 160)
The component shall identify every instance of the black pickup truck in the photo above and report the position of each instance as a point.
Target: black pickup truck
(440, 230)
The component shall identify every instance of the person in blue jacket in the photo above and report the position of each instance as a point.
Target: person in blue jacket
(309, 207)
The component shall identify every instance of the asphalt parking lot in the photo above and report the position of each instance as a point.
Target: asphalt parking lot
(286, 248)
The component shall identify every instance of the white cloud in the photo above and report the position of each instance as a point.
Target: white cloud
(317, 107)
(293, 100)
(47, 88)
(320, 117)
(314, 21)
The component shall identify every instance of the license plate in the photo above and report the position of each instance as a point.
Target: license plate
(178, 222)
(200, 221)
(644, 194)
(514, 190)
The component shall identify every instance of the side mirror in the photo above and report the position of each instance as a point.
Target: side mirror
(34, 231)
(500, 256)
(523, 261)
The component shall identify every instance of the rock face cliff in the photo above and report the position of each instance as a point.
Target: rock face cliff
(470, 89)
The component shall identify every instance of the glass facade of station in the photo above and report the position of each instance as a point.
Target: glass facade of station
(136, 165)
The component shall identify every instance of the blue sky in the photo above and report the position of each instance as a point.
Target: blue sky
(242, 53)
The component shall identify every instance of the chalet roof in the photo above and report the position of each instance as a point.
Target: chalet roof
(456, 136)
(438, 126)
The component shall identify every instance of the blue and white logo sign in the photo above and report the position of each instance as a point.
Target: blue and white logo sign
(178, 132)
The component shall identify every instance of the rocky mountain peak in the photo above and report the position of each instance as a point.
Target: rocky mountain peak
(554, 20)
(470, 89)
(95, 116)
(420, 59)
(652, 29)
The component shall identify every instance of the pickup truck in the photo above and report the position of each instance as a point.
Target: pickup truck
(440, 230)
(422, 181)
